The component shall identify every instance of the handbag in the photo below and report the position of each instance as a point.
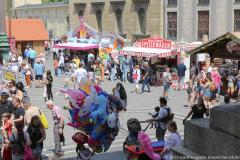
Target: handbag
(43, 120)
(27, 153)
(212, 87)
(135, 75)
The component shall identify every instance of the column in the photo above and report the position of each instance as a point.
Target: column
(2, 17)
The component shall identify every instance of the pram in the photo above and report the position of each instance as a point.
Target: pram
(132, 146)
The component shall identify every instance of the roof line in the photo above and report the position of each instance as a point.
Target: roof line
(201, 47)
(44, 5)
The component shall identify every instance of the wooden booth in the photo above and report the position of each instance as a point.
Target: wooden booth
(27, 32)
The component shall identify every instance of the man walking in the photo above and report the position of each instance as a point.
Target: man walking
(181, 68)
(58, 120)
(18, 111)
(32, 56)
(146, 78)
(167, 78)
(164, 116)
(39, 70)
(125, 68)
(80, 73)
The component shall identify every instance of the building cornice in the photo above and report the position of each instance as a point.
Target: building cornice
(47, 5)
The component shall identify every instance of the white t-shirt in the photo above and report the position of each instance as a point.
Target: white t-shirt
(61, 60)
(166, 77)
(20, 59)
(80, 73)
(173, 140)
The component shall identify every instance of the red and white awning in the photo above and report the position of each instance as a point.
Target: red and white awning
(147, 52)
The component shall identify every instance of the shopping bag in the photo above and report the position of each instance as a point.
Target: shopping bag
(43, 120)
(135, 76)
(7, 153)
(27, 153)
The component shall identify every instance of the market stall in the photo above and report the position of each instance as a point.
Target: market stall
(223, 52)
(159, 52)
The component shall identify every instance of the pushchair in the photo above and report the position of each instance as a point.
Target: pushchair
(133, 147)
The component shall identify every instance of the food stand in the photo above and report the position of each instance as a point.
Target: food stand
(156, 50)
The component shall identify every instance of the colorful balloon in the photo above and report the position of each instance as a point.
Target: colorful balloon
(94, 112)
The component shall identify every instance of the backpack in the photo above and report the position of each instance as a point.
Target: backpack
(169, 116)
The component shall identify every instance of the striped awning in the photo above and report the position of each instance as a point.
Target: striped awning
(147, 52)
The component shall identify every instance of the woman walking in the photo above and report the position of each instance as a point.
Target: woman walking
(49, 85)
(97, 71)
(21, 93)
(119, 91)
(208, 88)
(37, 135)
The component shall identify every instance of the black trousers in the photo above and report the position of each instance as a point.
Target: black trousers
(49, 91)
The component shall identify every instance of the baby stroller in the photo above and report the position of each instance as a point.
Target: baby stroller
(133, 147)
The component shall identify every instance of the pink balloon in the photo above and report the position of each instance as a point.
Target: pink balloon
(146, 144)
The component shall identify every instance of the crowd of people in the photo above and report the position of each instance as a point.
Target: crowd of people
(22, 126)
(21, 121)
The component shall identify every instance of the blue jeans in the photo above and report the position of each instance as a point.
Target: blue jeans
(146, 82)
(124, 75)
(112, 74)
(56, 71)
(32, 61)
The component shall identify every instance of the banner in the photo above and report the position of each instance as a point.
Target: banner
(105, 47)
(8, 75)
(157, 43)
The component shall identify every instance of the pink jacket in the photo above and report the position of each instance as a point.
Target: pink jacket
(216, 78)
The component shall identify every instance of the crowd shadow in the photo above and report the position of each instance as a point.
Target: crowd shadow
(116, 155)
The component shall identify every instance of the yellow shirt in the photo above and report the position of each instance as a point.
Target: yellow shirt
(77, 61)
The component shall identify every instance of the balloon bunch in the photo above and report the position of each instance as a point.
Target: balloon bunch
(95, 114)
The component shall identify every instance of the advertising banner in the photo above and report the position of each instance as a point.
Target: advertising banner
(8, 75)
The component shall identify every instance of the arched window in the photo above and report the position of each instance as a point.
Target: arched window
(118, 14)
(81, 13)
(99, 19)
(142, 20)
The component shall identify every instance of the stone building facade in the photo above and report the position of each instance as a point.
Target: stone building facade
(133, 19)
(189, 20)
(54, 15)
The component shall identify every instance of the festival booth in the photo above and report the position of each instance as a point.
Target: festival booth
(162, 53)
(223, 52)
(159, 52)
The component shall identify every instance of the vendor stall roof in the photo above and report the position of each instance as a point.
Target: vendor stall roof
(77, 46)
(145, 52)
(224, 46)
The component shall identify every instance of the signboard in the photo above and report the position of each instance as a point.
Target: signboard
(105, 47)
(8, 75)
(157, 43)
